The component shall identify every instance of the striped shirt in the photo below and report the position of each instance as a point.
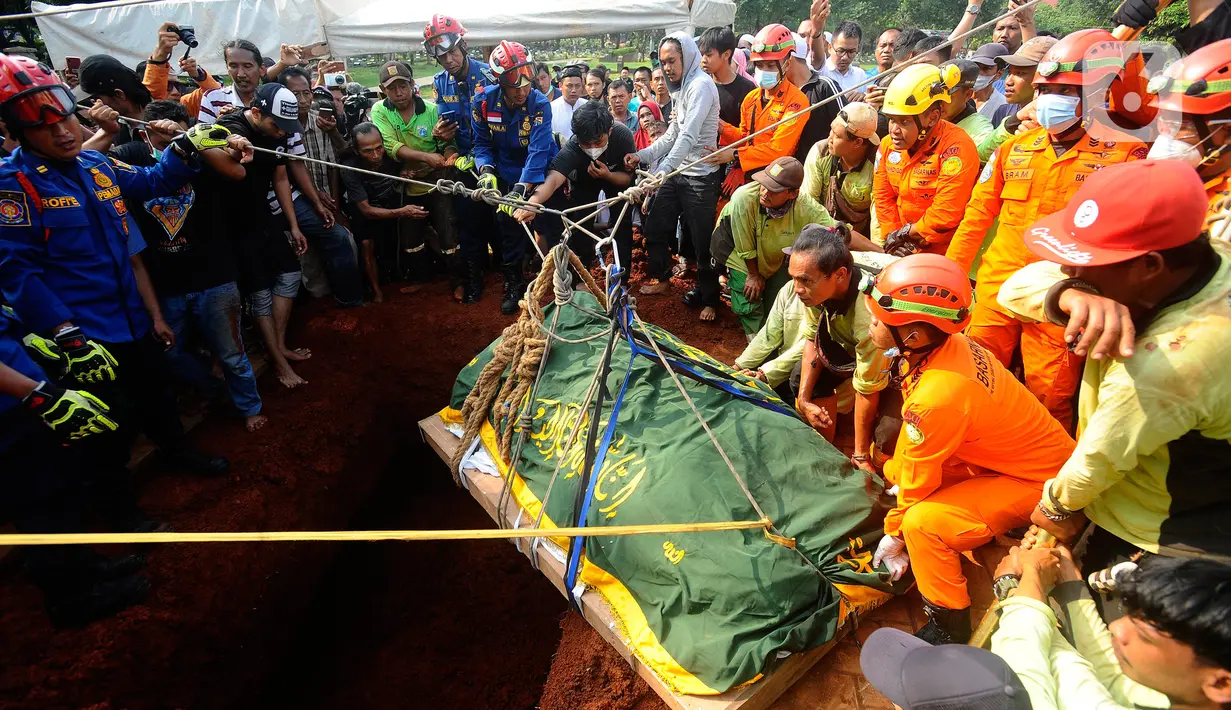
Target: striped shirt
(216, 100)
(294, 146)
(318, 146)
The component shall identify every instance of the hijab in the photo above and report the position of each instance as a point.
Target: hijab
(641, 139)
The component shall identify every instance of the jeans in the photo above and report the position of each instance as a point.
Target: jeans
(215, 313)
(336, 250)
(261, 303)
(694, 200)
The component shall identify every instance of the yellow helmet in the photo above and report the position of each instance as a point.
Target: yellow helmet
(919, 86)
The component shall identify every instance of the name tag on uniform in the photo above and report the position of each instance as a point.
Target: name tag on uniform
(1019, 174)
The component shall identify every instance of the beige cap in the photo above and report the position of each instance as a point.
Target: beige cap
(1029, 54)
(859, 119)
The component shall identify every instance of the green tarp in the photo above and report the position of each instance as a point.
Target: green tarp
(707, 611)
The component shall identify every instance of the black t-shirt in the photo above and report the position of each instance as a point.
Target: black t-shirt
(572, 162)
(249, 197)
(1216, 26)
(376, 191)
(731, 97)
(185, 233)
(817, 128)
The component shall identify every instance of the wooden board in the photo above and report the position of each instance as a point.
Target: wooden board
(758, 696)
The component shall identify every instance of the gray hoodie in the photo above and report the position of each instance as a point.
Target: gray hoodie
(693, 132)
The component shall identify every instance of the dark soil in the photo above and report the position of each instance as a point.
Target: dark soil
(372, 625)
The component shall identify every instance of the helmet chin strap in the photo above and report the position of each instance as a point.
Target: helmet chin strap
(895, 365)
(922, 137)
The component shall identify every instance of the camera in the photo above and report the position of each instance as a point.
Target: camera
(187, 35)
(355, 106)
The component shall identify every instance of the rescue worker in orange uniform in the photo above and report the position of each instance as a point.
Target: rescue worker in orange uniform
(1032, 175)
(975, 448)
(1199, 88)
(774, 98)
(926, 166)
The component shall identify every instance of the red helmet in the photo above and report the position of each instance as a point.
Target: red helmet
(442, 34)
(31, 94)
(510, 62)
(922, 288)
(1082, 58)
(1198, 85)
(773, 43)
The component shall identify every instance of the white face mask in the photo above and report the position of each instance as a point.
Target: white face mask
(766, 79)
(1057, 113)
(594, 152)
(1172, 148)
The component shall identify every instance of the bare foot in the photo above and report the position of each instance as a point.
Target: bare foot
(255, 422)
(296, 355)
(378, 297)
(708, 314)
(413, 288)
(458, 293)
(289, 379)
(656, 289)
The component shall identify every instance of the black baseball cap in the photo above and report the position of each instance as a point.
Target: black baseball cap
(915, 675)
(277, 101)
(102, 74)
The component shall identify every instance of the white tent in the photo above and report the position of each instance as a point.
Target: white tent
(355, 27)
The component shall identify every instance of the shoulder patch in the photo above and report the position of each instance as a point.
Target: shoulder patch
(987, 169)
(913, 433)
(950, 151)
(1139, 153)
(951, 166)
(14, 211)
(121, 164)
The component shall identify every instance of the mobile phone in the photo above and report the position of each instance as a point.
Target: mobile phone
(73, 63)
(326, 110)
(316, 49)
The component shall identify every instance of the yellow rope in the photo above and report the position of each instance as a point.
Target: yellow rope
(26, 540)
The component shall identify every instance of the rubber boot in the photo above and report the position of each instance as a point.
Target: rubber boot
(945, 625)
(514, 288)
(473, 280)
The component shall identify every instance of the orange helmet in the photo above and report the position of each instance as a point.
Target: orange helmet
(510, 62)
(773, 43)
(922, 288)
(1082, 58)
(31, 94)
(441, 35)
(1198, 85)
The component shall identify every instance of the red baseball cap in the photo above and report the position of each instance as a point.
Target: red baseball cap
(1122, 212)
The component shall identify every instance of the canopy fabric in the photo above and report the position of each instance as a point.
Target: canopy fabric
(354, 27)
(706, 611)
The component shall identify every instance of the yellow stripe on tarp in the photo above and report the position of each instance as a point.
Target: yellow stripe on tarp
(640, 637)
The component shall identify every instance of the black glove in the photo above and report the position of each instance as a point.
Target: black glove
(899, 242)
(1136, 13)
(88, 362)
(70, 413)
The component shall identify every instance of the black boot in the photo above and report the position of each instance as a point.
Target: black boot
(945, 625)
(197, 462)
(514, 288)
(472, 280)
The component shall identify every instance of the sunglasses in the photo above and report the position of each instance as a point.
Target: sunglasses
(40, 106)
(517, 77)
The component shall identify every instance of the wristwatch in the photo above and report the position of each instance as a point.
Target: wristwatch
(1004, 584)
(973, 8)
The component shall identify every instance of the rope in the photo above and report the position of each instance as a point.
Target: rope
(79, 8)
(38, 539)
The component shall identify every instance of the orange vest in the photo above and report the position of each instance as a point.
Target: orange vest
(754, 114)
(965, 415)
(1023, 182)
(929, 188)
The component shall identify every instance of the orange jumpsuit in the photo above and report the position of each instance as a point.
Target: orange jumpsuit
(1219, 191)
(755, 114)
(1023, 182)
(929, 187)
(970, 463)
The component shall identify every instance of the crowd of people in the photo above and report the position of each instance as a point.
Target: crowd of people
(997, 259)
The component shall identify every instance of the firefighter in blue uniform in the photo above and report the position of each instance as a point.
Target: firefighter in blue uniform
(69, 256)
(513, 146)
(458, 85)
(44, 478)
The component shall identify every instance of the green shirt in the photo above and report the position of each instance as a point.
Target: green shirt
(848, 323)
(759, 237)
(823, 172)
(1154, 430)
(787, 329)
(980, 129)
(415, 134)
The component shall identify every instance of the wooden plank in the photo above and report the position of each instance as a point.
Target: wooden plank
(486, 490)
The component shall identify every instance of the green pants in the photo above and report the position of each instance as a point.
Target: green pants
(752, 314)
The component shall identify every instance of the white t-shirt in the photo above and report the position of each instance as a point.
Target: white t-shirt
(854, 74)
(562, 116)
(995, 101)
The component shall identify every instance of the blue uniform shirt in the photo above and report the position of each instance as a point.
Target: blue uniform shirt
(454, 99)
(67, 259)
(13, 354)
(517, 143)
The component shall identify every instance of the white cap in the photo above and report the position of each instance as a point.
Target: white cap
(747, 38)
(801, 46)
(828, 37)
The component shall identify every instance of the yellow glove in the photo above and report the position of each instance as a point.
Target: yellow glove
(88, 361)
(464, 163)
(72, 414)
(43, 348)
(488, 181)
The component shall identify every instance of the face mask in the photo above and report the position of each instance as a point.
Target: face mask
(1172, 148)
(780, 212)
(766, 79)
(594, 152)
(1056, 113)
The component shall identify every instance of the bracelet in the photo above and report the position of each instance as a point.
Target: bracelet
(1051, 302)
(861, 458)
(1053, 516)
(152, 60)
